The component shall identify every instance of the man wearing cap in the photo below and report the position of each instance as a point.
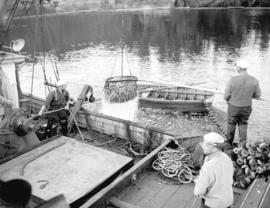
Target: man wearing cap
(239, 93)
(214, 183)
(57, 101)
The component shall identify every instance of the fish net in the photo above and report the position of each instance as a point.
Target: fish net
(120, 89)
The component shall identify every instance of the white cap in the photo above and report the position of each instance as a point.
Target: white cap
(213, 138)
(60, 83)
(242, 63)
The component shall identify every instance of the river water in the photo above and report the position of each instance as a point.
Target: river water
(182, 46)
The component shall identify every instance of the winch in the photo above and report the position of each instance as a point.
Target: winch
(16, 133)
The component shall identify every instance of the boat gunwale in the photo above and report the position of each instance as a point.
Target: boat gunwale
(162, 100)
(108, 191)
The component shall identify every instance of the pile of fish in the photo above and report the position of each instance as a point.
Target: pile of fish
(250, 161)
(120, 91)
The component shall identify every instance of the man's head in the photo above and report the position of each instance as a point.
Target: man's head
(61, 84)
(241, 65)
(15, 193)
(212, 142)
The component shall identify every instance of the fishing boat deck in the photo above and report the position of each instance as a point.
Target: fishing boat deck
(65, 166)
(154, 191)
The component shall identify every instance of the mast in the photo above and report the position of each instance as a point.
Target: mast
(2, 8)
(2, 22)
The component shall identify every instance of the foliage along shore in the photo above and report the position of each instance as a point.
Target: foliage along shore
(52, 6)
(222, 3)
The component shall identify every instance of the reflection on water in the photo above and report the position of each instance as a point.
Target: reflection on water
(184, 46)
(190, 46)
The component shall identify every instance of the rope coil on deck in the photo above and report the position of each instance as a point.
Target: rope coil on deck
(175, 163)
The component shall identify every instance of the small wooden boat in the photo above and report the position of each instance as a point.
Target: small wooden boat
(184, 99)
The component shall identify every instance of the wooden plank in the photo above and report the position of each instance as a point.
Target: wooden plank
(74, 168)
(128, 193)
(154, 89)
(78, 105)
(88, 124)
(254, 194)
(121, 204)
(137, 132)
(265, 202)
(110, 189)
(58, 201)
(148, 188)
(110, 118)
(205, 89)
(195, 202)
(181, 197)
(162, 196)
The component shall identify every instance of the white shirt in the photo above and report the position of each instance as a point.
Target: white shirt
(215, 181)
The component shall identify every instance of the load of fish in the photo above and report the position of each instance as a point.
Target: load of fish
(250, 161)
(120, 89)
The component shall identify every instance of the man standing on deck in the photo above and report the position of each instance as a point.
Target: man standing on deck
(57, 101)
(214, 183)
(239, 93)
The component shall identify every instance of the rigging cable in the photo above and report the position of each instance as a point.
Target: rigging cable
(9, 20)
(43, 53)
(33, 55)
(53, 63)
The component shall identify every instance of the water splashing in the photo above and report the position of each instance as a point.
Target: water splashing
(126, 111)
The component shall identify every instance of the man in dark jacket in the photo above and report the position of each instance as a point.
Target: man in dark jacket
(239, 93)
(57, 102)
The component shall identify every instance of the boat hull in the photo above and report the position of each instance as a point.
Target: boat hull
(182, 106)
(183, 99)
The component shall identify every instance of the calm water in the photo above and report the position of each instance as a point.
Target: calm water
(185, 46)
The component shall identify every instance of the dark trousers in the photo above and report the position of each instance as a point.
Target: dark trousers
(237, 116)
(203, 204)
(57, 117)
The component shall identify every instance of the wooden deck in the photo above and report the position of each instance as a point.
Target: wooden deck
(65, 166)
(153, 191)
(257, 195)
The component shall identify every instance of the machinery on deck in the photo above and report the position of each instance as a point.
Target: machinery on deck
(17, 132)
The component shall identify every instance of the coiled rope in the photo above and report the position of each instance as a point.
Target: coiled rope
(175, 163)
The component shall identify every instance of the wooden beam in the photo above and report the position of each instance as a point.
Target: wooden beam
(266, 198)
(153, 89)
(58, 201)
(189, 86)
(254, 194)
(78, 105)
(121, 204)
(109, 190)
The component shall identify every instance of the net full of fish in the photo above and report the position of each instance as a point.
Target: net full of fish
(120, 91)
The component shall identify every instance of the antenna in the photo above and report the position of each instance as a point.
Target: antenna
(18, 45)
